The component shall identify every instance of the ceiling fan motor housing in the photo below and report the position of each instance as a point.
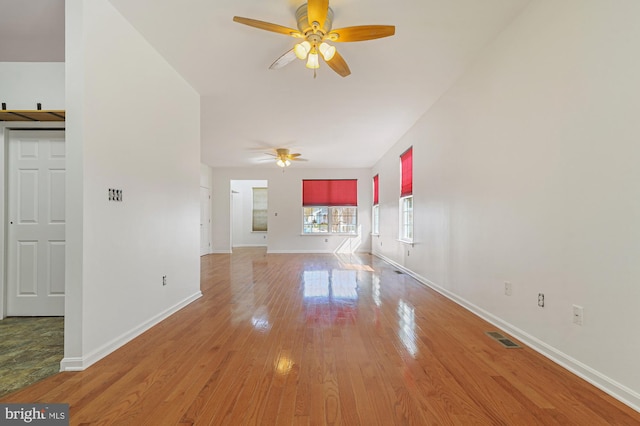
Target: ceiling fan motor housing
(303, 23)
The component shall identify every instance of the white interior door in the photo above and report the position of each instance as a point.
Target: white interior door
(36, 229)
(205, 221)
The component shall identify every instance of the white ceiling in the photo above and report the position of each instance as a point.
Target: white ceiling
(332, 121)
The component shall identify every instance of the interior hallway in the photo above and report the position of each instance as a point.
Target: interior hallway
(322, 339)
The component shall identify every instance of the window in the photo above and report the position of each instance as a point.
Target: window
(259, 221)
(406, 218)
(406, 195)
(330, 206)
(375, 211)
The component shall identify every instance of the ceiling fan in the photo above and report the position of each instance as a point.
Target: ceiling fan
(314, 20)
(284, 157)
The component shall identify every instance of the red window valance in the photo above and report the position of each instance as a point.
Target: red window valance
(406, 164)
(330, 192)
(376, 185)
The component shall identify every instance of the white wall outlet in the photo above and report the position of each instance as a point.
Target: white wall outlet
(578, 315)
(507, 288)
(541, 300)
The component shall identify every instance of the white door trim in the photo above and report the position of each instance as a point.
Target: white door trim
(5, 128)
(205, 221)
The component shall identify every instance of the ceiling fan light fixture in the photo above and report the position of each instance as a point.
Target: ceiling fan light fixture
(302, 49)
(283, 163)
(312, 61)
(327, 51)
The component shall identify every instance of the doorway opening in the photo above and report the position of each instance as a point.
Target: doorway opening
(249, 217)
(32, 253)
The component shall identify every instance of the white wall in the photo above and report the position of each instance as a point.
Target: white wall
(25, 84)
(242, 214)
(132, 124)
(285, 209)
(527, 171)
(205, 176)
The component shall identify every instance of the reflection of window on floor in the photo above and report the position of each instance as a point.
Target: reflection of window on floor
(316, 284)
(260, 319)
(375, 290)
(330, 298)
(407, 327)
(342, 285)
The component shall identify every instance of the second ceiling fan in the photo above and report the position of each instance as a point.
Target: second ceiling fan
(314, 20)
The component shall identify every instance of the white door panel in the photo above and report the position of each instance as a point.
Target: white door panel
(36, 229)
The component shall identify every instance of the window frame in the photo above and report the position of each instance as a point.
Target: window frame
(329, 225)
(323, 197)
(375, 220)
(254, 211)
(375, 209)
(406, 221)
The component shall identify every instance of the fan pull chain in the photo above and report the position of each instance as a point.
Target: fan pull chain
(314, 73)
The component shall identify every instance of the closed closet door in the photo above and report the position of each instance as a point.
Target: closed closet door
(36, 228)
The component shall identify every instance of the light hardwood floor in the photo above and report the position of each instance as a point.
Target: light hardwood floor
(322, 339)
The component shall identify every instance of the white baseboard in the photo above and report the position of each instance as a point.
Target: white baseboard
(227, 251)
(79, 364)
(248, 245)
(299, 251)
(312, 252)
(606, 384)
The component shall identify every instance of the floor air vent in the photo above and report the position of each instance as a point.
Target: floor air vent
(504, 341)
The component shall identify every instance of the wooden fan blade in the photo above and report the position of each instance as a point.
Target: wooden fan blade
(298, 159)
(286, 58)
(294, 155)
(339, 65)
(268, 26)
(317, 11)
(361, 33)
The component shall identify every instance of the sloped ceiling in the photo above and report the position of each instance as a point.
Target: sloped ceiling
(333, 121)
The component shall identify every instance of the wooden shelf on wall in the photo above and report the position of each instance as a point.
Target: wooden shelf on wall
(32, 115)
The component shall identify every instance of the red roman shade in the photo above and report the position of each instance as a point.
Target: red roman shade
(376, 199)
(330, 192)
(406, 164)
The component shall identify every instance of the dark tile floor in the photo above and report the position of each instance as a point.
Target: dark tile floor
(31, 349)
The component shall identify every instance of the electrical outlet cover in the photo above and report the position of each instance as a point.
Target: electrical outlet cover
(507, 288)
(578, 315)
